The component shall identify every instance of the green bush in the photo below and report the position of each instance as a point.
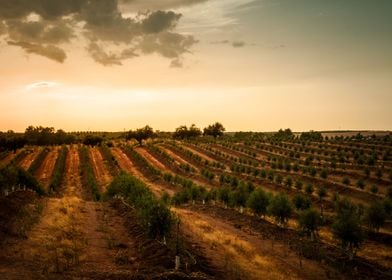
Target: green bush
(153, 214)
(59, 169)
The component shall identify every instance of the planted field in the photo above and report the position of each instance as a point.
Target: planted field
(229, 209)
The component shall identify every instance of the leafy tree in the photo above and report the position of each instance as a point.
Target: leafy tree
(376, 215)
(309, 222)
(258, 202)
(309, 189)
(140, 134)
(183, 132)
(301, 202)
(214, 130)
(311, 136)
(347, 226)
(346, 181)
(361, 184)
(92, 140)
(374, 189)
(281, 208)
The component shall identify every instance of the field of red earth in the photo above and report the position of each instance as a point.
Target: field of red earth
(29, 158)
(44, 173)
(69, 235)
(101, 173)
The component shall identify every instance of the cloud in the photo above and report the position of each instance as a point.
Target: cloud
(220, 42)
(42, 84)
(49, 51)
(154, 5)
(235, 44)
(159, 21)
(238, 44)
(42, 27)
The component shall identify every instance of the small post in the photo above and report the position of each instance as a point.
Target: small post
(177, 259)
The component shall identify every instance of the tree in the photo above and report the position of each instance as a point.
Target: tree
(214, 130)
(258, 202)
(183, 132)
(321, 192)
(281, 209)
(140, 134)
(376, 215)
(347, 227)
(309, 222)
(301, 202)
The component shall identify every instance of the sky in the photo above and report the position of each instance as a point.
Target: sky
(260, 65)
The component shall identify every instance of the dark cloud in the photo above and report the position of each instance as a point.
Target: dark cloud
(238, 44)
(154, 5)
(159, 21)
(49, 51)
(42, 26)
(220, 42)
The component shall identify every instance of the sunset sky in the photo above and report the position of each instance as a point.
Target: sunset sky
(254, 65)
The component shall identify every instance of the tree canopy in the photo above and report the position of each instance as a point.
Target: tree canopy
(140, 134)
(214, 130)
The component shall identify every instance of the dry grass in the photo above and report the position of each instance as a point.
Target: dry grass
(242, 261)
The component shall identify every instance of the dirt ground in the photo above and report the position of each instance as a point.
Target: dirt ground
(28, 159)
(44, 173)
(73, 237)
(100, 171)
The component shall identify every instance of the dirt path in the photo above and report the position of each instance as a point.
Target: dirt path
(246, 255)
(203, 156)
(8, 158)
(74, 237)
(178, 159)
(29, 158)
(127, 165)
(44, 173)
(156, 163)
(100, 171)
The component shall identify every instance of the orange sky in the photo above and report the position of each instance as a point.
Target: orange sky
(248, 64)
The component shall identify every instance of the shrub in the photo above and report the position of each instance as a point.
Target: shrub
(87, 172)
(152, 213)
(309, 189)
(376, 215)
(258, 202)
(302, 202)
(347, 227)
(280, 208)
(59, 169)
(309, 222)
(346, 181)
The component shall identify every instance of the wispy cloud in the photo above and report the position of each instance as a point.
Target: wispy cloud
(41, 84)
(213, 15)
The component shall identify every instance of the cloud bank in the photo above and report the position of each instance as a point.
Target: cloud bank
(49, 28)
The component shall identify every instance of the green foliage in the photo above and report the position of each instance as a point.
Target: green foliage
(138, 159)
(92, 140)
(152, 213)
(87, 172)
(309, 221)
(183, 132)
(302, 202)
(59, 169)
(110, 160)
(44, 136)
(258, 202)
(309, 189)
(35, 165)
(347, 226)
(12, 175)
(281, 208)
(282, 135)
(140, 134)
(313, 136)
(346, 181)
(214, 130)
(376, 215)
(361, 184)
